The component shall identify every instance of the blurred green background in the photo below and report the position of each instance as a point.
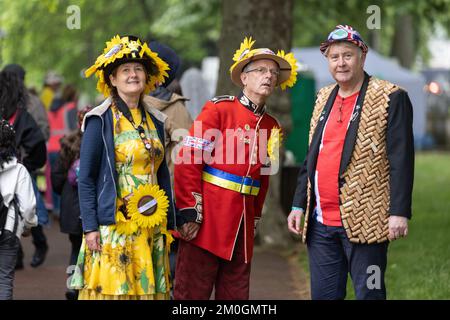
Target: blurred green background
(36, 34)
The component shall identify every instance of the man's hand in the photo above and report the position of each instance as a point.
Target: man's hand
(189, 230)
(398, 227)
(93, 241)
(294, 219)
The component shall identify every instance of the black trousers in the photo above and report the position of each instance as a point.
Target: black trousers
(39, 241)
(75, 240)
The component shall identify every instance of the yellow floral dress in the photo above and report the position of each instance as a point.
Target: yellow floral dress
(133, 262)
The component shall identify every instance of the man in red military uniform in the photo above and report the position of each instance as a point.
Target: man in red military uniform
(222, 177)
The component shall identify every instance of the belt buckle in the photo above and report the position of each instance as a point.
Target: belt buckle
(243, 184)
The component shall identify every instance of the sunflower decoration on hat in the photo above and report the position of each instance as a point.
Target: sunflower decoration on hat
(148, 206)
(245, 54)
(120, 50)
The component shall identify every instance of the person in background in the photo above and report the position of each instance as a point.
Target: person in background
(172, 105)
(31, 150)
(62, 119)
(18, 204)
(34, 105)
(65, 183)
(51, 89)
(36, 109)
(168, 102)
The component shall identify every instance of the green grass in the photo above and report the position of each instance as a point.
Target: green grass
(419, 265)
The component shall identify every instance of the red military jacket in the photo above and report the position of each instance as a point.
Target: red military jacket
(222, 137)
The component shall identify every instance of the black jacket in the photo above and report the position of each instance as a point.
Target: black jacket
(29, 141)
(69, 219)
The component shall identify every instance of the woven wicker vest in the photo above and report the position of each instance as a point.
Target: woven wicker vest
(364, 196)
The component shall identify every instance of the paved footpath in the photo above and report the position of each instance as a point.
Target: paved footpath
(274, 276)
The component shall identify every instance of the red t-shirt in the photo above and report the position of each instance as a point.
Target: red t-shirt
(329, 160)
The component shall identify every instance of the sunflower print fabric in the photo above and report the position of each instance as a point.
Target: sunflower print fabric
(133, 263)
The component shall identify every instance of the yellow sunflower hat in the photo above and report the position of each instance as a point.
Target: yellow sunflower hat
(245, 54)
(124, 49)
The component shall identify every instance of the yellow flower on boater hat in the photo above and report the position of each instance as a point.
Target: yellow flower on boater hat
(244, 49)
(245, 54)
(293, 63)
(120, 50)
(148, 206)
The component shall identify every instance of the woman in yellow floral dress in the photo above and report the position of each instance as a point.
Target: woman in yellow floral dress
(124, 184)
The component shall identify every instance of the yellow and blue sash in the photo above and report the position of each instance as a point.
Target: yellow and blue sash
(244, 185)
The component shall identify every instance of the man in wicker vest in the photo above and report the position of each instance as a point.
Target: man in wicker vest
(354, 188)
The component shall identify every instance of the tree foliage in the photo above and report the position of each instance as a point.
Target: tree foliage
(37, 36)
(34, 33)
(313, 19)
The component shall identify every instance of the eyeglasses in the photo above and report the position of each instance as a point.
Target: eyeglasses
(264, 70)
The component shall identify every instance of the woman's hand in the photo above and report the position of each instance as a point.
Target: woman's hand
(93, 241)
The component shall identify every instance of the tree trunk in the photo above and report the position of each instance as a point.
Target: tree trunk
(270, 24)
(403, 45)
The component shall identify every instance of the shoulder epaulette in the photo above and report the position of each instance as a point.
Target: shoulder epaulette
(222, 98)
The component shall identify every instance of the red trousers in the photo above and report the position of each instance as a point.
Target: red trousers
(199, 271)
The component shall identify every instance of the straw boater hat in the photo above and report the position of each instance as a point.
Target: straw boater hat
(120, 50)
(245, 54)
